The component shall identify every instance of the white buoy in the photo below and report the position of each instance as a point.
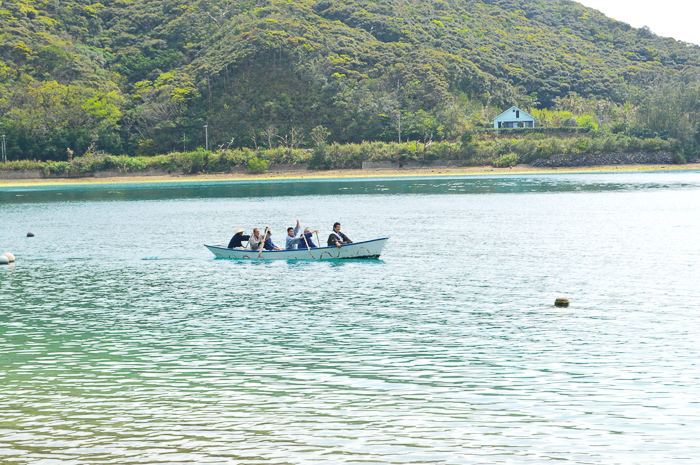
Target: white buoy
(4, 260)
(9, 256)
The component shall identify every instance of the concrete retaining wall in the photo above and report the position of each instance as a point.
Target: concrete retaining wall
(288, 167)
(281, 168)
(115, 173)
(39, 174)
(389, 165)
(31, 174)
(592, 159)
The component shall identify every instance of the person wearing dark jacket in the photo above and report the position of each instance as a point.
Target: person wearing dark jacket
(337, 238)
(238, 239)
(305, 239)
(269, 245)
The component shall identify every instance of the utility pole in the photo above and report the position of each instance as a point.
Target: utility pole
(601, 116)
(4, 152)
(399, 126)
(398, 100)
(206, 136)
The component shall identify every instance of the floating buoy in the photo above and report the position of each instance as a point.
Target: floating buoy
(9, 256)
(4, 260)
(561, 302)
(30, 234)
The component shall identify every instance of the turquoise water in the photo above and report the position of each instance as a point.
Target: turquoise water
(123, 341)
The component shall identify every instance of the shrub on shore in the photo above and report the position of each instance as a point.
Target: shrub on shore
(506, 161)
(256, 165)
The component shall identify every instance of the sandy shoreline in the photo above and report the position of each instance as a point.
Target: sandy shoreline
(342, 174)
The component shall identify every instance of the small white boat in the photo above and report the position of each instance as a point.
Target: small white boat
(366, 249)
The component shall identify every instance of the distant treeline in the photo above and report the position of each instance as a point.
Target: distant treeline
(472, 151)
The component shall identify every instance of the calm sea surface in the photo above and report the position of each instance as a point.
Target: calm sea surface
(122, 340)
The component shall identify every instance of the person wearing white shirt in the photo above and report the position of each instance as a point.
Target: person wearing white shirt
(293, 237)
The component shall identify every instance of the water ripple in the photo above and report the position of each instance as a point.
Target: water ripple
(448, 350)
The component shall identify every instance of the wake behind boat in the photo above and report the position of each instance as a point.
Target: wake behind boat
(366, 249)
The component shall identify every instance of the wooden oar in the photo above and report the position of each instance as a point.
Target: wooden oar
(262, 245)
(307, 245)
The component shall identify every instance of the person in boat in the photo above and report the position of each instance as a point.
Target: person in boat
(256, 240)
(238, 238)
(305, 239)
(292, 237)
(337, 238)
(269, 245)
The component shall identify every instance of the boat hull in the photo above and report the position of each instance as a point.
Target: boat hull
(366, 249)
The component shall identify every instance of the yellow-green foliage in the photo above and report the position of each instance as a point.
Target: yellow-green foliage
(111, 75)
(256, 165)
(507, 160)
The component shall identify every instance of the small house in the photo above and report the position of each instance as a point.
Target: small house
(514, 117)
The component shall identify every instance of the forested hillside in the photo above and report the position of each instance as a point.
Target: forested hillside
(144, 77)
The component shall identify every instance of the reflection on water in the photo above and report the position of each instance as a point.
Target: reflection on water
(123, 341)
(499, 184)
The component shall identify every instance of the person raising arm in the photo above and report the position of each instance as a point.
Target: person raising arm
(292, 237)
(305, 239)
(269, 245)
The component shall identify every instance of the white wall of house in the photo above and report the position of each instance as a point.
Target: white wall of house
(513, 117)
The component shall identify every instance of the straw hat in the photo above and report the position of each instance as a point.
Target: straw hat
(239, 230)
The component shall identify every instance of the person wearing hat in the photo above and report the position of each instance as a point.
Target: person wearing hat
(237, 239)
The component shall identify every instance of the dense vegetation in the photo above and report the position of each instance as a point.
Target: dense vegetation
(482, 149)
(143, 77)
